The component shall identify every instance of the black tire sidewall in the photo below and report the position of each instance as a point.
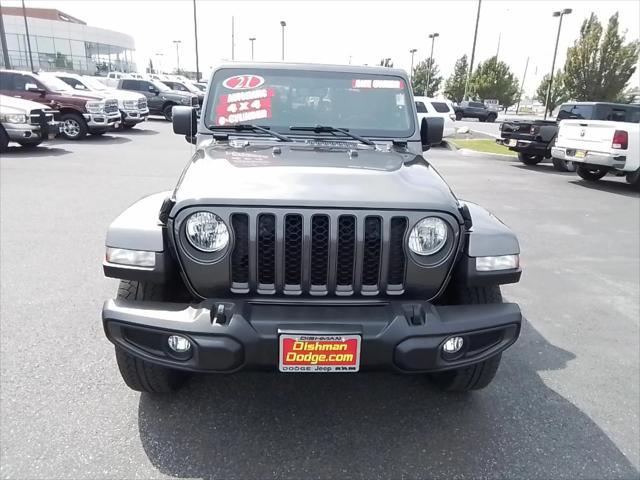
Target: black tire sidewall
(167, 112)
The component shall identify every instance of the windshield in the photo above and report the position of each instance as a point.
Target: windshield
(366, 104)
(160, 86)
(54, 83)
(94, 84)
(190, 87)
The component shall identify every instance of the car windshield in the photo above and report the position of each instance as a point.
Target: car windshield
(366, 104)
(160, 86)
(94, 84)
(54, 83)
(190, 87)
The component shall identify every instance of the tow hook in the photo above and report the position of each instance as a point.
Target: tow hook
(218, 315)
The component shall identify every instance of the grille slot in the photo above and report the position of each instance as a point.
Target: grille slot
(319, 250)
(396, 251)
(346, 250)
(240, 255)
(372, 249)
(266, 251)
(293, 251)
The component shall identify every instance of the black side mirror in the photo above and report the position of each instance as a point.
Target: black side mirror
(34, 89)
(431, 130)
(154, 90)
(185, 121)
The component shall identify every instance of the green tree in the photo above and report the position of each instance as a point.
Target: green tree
(386, 62)
(454, 86)
(599, 67)
(492, 80)
(419, 75)
(559, 93)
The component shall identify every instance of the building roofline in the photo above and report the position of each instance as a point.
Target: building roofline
(42, 13)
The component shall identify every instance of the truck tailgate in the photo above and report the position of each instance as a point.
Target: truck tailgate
(589, 135)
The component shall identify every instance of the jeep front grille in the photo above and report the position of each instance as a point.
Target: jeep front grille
(318, 253)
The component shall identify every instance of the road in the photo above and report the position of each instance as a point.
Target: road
(565, 402)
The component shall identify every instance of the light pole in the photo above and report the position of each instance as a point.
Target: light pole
(432, 36)
(473, 52)
(177, 42)
(526, 66)
(412, 52)
(233, 38)
(26, 29)
(252, 39)
(560, 14)
(195, 31)
(283, 24)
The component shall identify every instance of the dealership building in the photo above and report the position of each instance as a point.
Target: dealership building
(62, 42)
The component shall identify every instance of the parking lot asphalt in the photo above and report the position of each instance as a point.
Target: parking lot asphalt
(565, 402)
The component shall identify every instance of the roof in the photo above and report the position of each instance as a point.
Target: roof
(43, 13)
(316, 67)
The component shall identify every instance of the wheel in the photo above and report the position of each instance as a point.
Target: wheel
(139, 374)
(529, 159)
(492, 118)
(4, 140)
(563, 165)
(590, 174)
(458, 116)
(73, 126)
(479, 375)
(633, 179)
(167, 111)
(97, 133)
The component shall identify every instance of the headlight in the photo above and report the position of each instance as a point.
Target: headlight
(130, 104)
(95, 107)
(207, 232)
(428, 236)
(13, 118)
(186, 100)
(136, 258)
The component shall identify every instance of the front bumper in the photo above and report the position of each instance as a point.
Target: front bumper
(20, 132)
(133, 117)
(600, 159)
(399, 335)
(532, 147)
(102, 121)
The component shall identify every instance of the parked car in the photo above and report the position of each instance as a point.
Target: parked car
(133, 106)
(160, 98)
(112, 78)
(309, 234)
(430, 107)
(598, 147)
(469, 109)
(185, 87)
(25, 123)
(80, 113)
(533, 139)
(202, 86)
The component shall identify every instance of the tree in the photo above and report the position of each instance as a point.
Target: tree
(492, 80)
(454, 86)
(559, 93)
(386, 62)
(419, 75)
(598, 68)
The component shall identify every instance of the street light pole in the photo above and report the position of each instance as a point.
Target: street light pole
(560, 14)
(283, 24)
(432, 36)
(160, 61)
(26, 29)
(195, 31)
(177, 42)
(412, 52)
(252, 39)
(233, 39)
(522, 85)
(473, 52)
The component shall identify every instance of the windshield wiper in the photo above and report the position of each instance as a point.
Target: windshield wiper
(239, 127)
(330, 129)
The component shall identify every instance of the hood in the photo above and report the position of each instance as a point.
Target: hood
(18, 105)
(84, 95)
(123, 94)
(312, 176)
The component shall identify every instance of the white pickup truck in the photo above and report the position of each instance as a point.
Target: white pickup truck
(598, 147)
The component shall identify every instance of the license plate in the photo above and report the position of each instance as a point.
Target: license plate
(319, 353)
(580, 153)
(513, 142)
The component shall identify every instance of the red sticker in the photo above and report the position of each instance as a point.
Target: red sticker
(244, 106)
(376, 83)
(243, 82)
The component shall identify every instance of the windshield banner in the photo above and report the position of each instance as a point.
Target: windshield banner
(244, 106)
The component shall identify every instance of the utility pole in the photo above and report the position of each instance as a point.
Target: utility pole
(252, 39)
(560, 14)
(3, 41)
(177, 42)
(195, 31)
(26, 29)
(522, 85)
(473, 52)
(283, 24)
(412, 52)
(233, 39)
(498, 49)
(432, 36)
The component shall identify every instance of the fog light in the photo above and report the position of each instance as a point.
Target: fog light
(453, 345)
(179, 344)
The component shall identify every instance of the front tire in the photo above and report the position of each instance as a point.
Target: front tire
(590, 174)
(479, 375)
(167, 111)
(633, 179)
(491, 118)
(529, 159)
(458, 116)
(4, 140)
(563, 165)
(139, 374)
(74, 126)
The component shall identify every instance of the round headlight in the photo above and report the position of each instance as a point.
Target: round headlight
(207, 232)
(428, 236)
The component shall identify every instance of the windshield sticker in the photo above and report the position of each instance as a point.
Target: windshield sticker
(243, 82)
(371, 83)
(244, 106)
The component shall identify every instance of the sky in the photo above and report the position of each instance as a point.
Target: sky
(363, 32)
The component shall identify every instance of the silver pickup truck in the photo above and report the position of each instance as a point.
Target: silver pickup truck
(26, 123)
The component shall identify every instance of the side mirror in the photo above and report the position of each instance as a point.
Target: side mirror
(431, 130)
(32, 87)
(185, 121)
(154, 90)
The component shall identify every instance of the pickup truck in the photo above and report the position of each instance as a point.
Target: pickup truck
(599, 147)
(475, 110)
(26, 123)
(160, 98)
(532, 140)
